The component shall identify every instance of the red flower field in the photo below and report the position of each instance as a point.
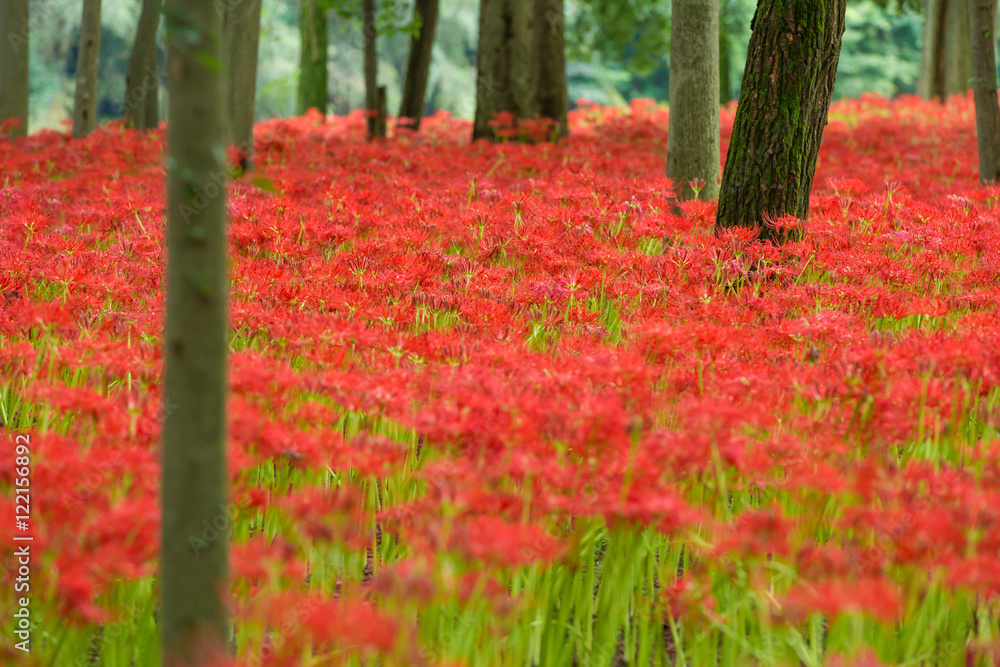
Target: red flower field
(494, 404)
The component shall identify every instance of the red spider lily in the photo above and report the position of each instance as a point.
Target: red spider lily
(346, 625)
(493, 540)
(685, 602)
(756, 533)
(863, 658)
(872, 596)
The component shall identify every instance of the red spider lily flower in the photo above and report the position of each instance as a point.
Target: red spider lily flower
(331, 626)
(980, 573)
(261, 560)
(498, 542)
(756, 533)
(408, 580)
(330, 515)
(863, 658)
(873, 596)
(76, 593)
(685, 601)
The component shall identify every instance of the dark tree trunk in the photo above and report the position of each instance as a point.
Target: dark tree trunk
(982, 19)
(242, 28)
(194, 577)
(14, 65)
(87, 64)
(312, 57)
(418, 66)
(553, 96)
(142, 80)
(944, 63)
(521, 65)
(784, 99)
(371, 68)
(507, 71)
(381, 117)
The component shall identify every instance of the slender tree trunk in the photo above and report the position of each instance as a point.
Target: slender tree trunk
(14, 65)
(945, 67)
(371, 68)
(693, 137)
(312, 58)
(194, 578)
(982, 19)
(87, 62)
(142, 80)
(242, 28)
(381, 117)
(784, 99)
(507, 72)
(419, 64)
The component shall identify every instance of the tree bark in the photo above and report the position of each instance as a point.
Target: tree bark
(14, 65)
(87, 63)
(521, 68)
(784, 99)
(982, 19)
(194, 578)
(242, 29)
(945, 66)
(371, 68)
(312, 57)
(142, 80)
(553, 96)
(507, 72)
(419, 64)
(693, 137)
(381, 117)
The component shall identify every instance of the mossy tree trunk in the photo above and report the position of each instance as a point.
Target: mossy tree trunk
(504, 69)
(194, 578)
(982, 20)
(945, 66)
(507, 72)
(14, 65)
(784, 99)
(87, 63)
(312, 57)
(693, 137)
(242, 30)
(142, 79)
(521, 66)
(418, 66)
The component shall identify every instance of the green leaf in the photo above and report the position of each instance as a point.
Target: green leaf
(208, 60)
(264, 184)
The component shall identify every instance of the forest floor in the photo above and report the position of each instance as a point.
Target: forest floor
(494, 404)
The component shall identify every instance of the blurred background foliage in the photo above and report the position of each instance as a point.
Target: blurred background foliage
(617, 50)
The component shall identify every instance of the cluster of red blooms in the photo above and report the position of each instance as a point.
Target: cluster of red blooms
(561, 343)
